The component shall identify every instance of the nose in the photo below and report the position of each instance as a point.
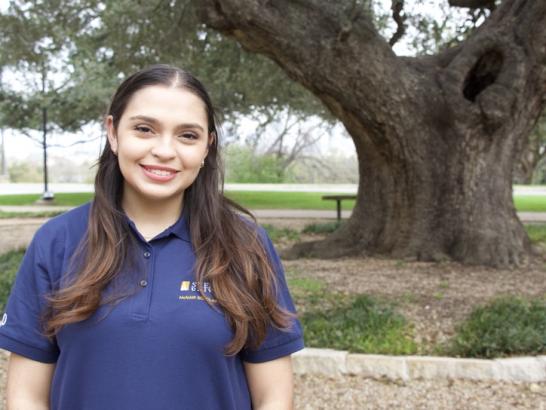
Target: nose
(164, 148)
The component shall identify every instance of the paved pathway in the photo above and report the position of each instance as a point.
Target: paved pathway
(264, 213)
(259, 213)
(33, 208)
(37, 188)
(16, 232)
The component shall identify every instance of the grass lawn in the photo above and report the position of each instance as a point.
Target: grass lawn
(261, 200)
(249, 199)
(285, 200)
(530, 203)
(68, 199)
(9, 264)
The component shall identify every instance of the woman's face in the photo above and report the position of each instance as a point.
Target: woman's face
(161, 140)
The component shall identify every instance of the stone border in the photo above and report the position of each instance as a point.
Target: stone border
(333, 363)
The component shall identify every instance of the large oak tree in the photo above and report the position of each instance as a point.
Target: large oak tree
(436, 136)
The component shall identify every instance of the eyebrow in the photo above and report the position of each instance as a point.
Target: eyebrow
(154, 121)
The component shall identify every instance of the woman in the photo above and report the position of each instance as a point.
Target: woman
(158, 294)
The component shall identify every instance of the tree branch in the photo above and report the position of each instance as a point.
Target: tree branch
(397, 6)
(27, 134)
(278, 143)
(303, 37)
(496, 66)
(85, 141)
(473, 4)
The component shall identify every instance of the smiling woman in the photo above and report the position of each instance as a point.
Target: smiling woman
(158, 294)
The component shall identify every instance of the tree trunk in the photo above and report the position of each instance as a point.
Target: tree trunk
(525, 167)
(532, 156)
(436, 136)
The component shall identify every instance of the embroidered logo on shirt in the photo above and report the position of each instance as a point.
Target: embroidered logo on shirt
(191, 291)
(4, 319)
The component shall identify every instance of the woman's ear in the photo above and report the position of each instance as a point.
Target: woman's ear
(212, 140)
(111, 134)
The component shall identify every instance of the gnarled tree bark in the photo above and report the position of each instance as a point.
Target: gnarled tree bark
(436, 136)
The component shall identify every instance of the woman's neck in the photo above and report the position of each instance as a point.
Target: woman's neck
(152, 217)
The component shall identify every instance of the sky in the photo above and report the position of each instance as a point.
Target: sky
(19, 147)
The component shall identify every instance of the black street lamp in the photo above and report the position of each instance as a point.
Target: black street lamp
(47, 195)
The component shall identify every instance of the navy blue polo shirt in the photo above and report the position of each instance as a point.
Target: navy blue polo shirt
(162, 347)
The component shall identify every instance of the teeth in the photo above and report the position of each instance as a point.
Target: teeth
(159, 172)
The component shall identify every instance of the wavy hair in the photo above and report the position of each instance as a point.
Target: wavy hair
(229, 252)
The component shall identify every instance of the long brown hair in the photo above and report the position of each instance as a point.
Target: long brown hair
(229, 251)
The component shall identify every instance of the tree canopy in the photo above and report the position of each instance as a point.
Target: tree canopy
(70, 55)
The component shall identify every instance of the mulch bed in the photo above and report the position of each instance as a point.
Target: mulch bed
(432, 296)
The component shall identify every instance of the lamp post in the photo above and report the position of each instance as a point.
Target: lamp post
(3, 167)
(47, 196)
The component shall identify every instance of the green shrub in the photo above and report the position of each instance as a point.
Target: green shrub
(9, 264)
(309, 293)
(243, 165)
(504, 327)
(536, 232)
(277, 234)
(304, 286)
(362, 325)
(322, 227)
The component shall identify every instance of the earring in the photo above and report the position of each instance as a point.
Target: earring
(203, 163)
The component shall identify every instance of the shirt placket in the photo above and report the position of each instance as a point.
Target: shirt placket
(143, 298)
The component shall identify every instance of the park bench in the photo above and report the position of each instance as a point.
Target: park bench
(338, 199)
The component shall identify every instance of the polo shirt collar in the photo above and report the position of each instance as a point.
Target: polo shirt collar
(179, 229)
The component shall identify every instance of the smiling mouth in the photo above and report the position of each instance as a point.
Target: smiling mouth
(160, 171)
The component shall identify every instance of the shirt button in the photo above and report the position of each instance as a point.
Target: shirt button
(147, 254)
(143, 283)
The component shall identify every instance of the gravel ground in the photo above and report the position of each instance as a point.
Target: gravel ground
(16, 233)
(434, 297)
(351, 392)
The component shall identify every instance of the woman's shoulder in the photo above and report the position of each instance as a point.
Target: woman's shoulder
(56, 240)
(69, 224)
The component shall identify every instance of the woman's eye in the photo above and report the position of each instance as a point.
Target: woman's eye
(143, 129)
(188, 135)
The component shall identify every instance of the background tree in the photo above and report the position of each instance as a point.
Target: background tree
(83, 48)
(25, 171)
(46, 94)
(279, 139)
(436, 136)
(126, 35)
